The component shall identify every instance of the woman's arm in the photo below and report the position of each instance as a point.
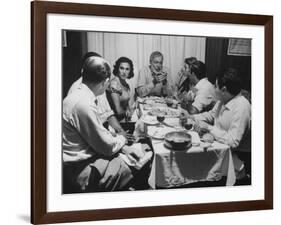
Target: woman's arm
(120, 112)
(114, 123)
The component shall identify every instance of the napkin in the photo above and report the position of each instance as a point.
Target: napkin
(141, 162)
(195, 139)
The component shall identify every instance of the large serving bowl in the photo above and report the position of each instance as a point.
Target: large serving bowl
(178, 140)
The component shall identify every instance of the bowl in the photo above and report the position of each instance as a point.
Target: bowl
(178, 140)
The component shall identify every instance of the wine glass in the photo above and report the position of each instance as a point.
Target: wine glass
(160, 118)
(185, 122)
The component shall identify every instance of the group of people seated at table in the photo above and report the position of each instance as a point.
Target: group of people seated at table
(94, 139)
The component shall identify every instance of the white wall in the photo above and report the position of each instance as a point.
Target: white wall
(15, 111)
(138, 48)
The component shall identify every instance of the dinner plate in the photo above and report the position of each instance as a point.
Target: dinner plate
(150, 120)
(155, 99)
(165, 111)
(158, 132)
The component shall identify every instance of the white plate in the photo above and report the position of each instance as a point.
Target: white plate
(168, 112)
(150, 120)
(159, 132)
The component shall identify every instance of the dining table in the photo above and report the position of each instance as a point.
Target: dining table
(175, 168)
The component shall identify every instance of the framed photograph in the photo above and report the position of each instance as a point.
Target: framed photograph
(145, 112)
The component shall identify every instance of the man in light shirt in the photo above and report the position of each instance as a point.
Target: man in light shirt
(155, 79)
(91, 160)
(201, 96)
(105, 111)
(230, 119)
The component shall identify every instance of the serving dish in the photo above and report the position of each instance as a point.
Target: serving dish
(178, 140)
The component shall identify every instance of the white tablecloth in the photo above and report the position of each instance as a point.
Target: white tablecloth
(176, 168)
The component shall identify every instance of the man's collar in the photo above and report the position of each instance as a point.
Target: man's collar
(201, 81)
(229, 104)
(89, 92)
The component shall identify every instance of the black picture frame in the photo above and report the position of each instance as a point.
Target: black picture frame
(39, 11)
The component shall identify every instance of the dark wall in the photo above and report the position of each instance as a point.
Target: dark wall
(72, 55)
(217, 58)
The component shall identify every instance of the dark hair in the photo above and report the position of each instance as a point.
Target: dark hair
(95, 69)
(155, 54)
(230, 79)
(190, 60)
(198, 68)
(122, 60)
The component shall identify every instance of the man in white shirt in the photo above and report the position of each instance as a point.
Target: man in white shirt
(90, 152)
(230, 119)
(155, 79)
(105, 111)
(201, 97)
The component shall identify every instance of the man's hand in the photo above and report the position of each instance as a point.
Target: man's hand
(184, 104)
(161, 76)
(122, 132)
(130, 138)
(185, 118)
(129, 114)
(201, 127)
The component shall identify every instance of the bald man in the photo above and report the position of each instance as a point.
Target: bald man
(106, 113)
(91, 160)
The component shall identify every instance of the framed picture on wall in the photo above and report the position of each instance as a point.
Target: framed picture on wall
(143, 112)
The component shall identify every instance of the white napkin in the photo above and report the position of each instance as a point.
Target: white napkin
(195, 139)
(139, 164)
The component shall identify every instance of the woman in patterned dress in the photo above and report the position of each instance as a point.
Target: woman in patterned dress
(119, 91)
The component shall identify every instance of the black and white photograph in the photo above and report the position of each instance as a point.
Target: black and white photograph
(147, 112)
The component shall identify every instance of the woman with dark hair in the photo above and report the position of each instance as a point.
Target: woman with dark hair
(119, 91)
